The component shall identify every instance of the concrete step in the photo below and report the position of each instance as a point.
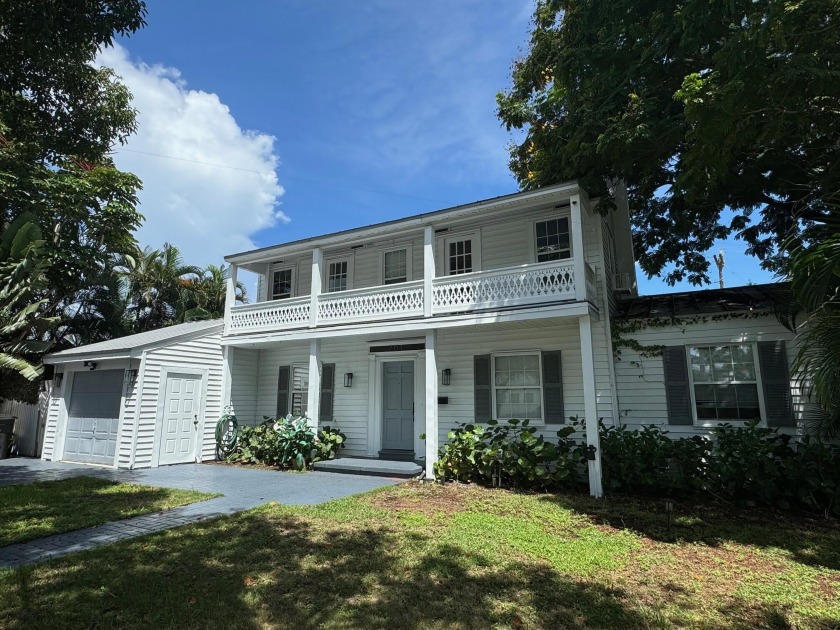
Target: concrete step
(398, 455)
(378, 467)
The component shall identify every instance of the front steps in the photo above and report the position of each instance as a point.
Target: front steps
(377, 467)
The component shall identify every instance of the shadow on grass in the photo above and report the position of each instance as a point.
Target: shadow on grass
(263, 569)
(810, 540)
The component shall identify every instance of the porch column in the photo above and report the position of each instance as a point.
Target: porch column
(313, 393)
(428, 268)
(317, 262)
(576, 227)
(431, 404)
(590, 405)
(230, 295)
(227, 375)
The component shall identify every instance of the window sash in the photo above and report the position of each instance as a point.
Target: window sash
(460, 256)
(395, 266)
(724, 383)
(553, 239)
(337, 276)
(281, 284)
(517, 386)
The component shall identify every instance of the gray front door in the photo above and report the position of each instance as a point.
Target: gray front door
(398, 388)
(93, 418)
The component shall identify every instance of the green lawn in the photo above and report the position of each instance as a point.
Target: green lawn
(35, 510)
(429, 556)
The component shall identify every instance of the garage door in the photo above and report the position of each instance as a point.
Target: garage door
(94, 417)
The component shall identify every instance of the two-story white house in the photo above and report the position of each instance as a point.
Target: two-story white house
(396, 332)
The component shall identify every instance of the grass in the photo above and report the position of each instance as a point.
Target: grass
(429, 556)
(36, 510)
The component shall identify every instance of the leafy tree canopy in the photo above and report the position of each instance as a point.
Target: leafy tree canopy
(698, 105)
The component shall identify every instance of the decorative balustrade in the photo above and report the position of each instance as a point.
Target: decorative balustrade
(273, 315)
(542, 282)
(385, 302)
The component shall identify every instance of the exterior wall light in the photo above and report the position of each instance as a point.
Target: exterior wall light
(91, 365)
(348, 379)
(446, 377)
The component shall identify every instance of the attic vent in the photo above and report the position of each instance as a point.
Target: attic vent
(623, 283)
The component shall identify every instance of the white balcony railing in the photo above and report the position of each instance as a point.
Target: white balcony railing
(543, 282)
(273, 315)
(385, 302)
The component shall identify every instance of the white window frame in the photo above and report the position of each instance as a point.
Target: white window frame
(349, 259)
(409, 263)
(278, 269)
(698, 422)
(518, 353)
(475, 239)
(533, 235)
(292, 391)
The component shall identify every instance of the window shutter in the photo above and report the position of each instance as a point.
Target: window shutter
(677, 387)
(483, 394)
(552, 388)
(775, 379)
(283, 390)
(325, 410)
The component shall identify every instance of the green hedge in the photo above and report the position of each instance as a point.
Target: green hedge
(748, 465)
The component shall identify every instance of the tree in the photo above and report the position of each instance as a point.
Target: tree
(204, 297)
(698, 106)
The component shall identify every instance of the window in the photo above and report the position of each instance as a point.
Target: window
(517, 386)
(553, 240)
(337, 276)
(725, 383)
(300, 386)
(281, 284)
(395, 266)
(459, 256)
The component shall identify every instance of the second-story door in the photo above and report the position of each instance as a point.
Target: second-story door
(398, 406)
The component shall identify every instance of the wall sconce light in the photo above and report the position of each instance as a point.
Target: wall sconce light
(348, 379)
(446, 377)
(91, 365)
(57, 380)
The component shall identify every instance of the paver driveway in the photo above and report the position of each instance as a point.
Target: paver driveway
(241, 488)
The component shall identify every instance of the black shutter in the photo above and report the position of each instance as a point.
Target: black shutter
(325, 410)
(483, 395)
(677, 387)
(552, 388)
(775, 378)
(283, 390)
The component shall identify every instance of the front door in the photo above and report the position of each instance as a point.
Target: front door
(180, 419)
(398, 388)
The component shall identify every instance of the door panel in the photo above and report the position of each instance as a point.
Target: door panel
(180, 411)
(93, 417)
(398, 405)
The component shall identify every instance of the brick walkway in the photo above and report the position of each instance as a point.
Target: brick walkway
(241, 488)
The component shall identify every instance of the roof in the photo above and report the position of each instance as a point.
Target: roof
(123, 346)
(413, 221)
(708, 302)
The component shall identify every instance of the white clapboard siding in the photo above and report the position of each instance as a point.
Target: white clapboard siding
(640, 380)
(129, 416)
(48, 450)
(245, 380)
(203, 353)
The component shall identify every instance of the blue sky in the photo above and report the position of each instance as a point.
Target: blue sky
(262, 122)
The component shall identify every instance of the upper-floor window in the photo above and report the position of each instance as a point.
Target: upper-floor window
(553, 241)
(395, 266)
(461, 254)
(281, 284)
(725, 382)
(338, 276)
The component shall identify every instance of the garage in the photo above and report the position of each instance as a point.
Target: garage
(140, 401)
(93, 417)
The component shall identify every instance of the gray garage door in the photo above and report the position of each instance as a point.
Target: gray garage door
(94, 417)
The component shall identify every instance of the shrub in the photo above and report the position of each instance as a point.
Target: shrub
(287, 443)
(510, 454)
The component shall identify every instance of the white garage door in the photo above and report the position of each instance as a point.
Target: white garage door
(180, 419)
(93, 419)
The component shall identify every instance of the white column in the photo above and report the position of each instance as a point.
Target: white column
(227, 375)
(428, 268)
(230, 295)
(313, 394)
(576, 227)
(590, 405)
(431, 404)
(317, 261)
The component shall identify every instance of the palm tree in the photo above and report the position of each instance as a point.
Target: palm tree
(814, 270)
(204, 297)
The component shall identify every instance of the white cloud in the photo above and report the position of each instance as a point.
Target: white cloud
(221, 187)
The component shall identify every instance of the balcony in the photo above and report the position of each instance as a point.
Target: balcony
(528, 285)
